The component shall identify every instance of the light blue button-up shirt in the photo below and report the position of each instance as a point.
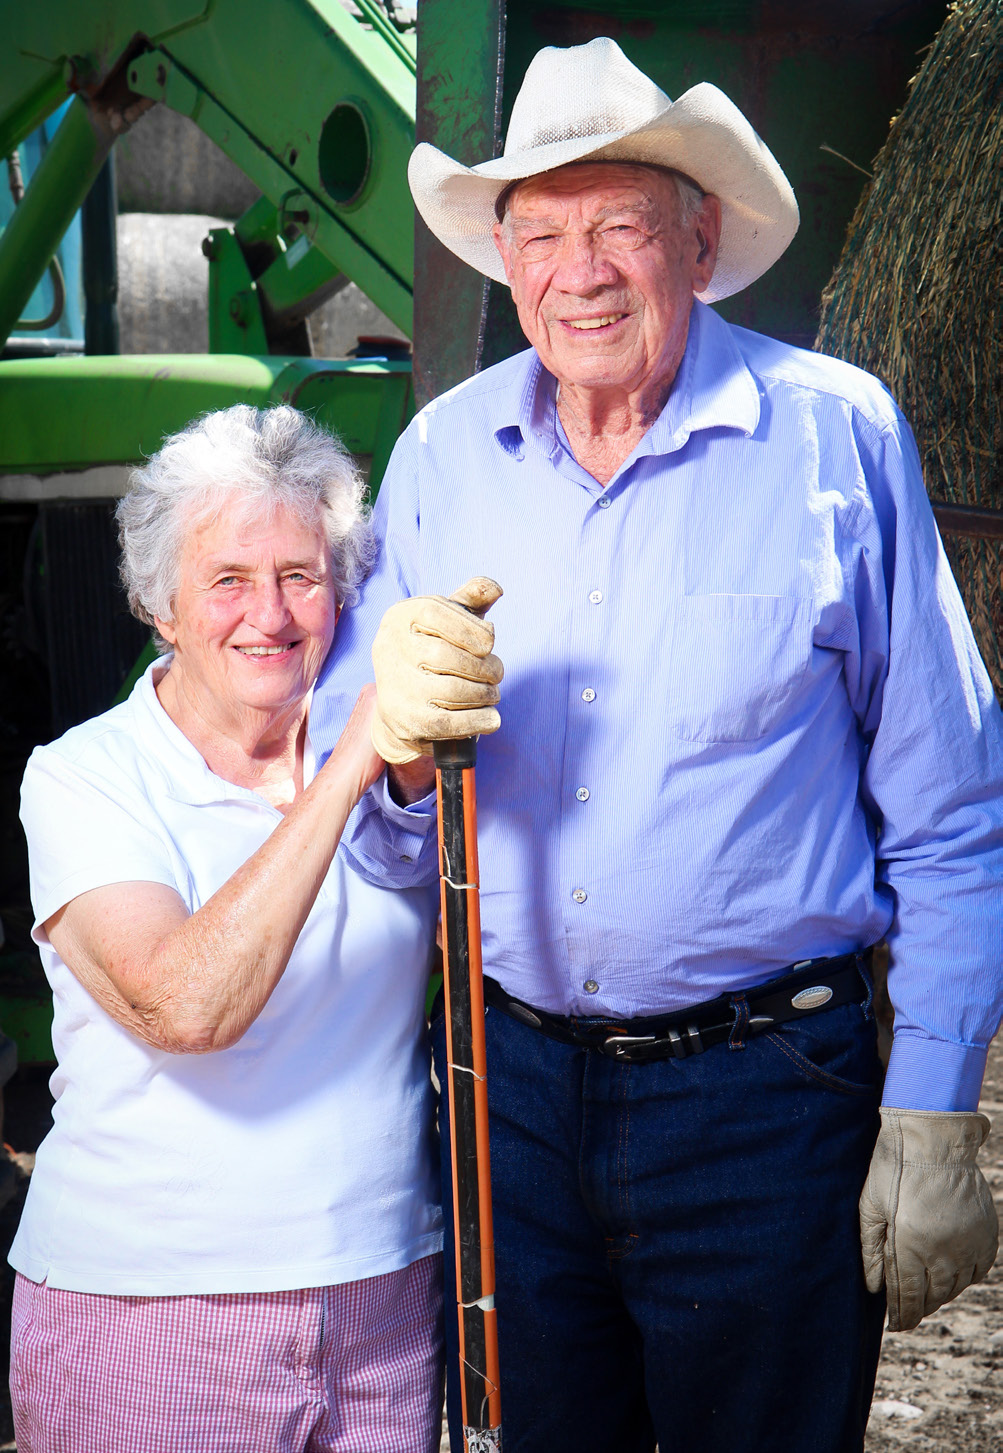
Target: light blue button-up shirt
(744, 721)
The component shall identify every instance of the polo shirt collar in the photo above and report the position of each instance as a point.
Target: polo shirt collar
(713, 389)
(186, 774)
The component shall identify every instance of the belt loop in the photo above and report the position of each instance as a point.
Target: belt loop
(741, 1024)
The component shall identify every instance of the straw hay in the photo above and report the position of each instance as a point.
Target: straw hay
(916, 297)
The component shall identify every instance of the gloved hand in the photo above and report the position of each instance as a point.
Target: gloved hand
(928, 1225)
(436, 678)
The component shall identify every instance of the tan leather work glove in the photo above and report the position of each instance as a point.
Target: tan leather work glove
(928, 1225)
(436, 678)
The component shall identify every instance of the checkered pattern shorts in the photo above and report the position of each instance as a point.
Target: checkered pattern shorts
(344, 1369)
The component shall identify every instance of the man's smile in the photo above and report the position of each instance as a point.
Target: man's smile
(605, 320)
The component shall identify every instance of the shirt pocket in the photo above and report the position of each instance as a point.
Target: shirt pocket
(735, 664)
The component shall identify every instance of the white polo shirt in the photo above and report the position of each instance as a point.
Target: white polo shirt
(302, 1155)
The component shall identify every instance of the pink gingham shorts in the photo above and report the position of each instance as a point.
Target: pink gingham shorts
(344, 1369)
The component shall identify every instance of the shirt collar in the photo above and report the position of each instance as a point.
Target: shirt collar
(186, 775)
(713, 389)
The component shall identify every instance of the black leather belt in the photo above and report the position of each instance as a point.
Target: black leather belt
(806, 988)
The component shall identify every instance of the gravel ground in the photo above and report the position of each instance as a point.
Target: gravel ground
(939, 1389)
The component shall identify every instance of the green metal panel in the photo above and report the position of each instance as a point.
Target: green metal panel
(298, 275)
(25, 113)
(290, 277)
(366, 404)
(50, 47)
(235, 321)
(58, 414)
(332, 60)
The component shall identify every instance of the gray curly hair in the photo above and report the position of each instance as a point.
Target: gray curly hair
(276, 456)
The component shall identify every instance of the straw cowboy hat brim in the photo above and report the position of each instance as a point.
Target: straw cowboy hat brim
(590, 103)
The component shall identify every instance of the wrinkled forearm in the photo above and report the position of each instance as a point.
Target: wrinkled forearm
(211, 978)
(193, 983)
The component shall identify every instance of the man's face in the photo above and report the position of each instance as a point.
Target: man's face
(603, 270)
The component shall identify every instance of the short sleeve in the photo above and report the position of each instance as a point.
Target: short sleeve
(86, 829)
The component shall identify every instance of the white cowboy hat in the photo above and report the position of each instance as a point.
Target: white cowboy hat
(590, 102)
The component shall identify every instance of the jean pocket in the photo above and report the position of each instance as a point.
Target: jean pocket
(837, 1050)
(735, 664)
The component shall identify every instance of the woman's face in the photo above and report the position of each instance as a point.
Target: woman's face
(255, 609)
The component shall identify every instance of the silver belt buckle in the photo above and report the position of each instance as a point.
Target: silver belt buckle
(615, 1046)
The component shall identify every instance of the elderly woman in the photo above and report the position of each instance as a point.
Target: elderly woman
(232, 1239)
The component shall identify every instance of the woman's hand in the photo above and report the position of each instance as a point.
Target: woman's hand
(354, 759)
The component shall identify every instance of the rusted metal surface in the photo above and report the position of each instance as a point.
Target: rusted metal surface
(460, 68)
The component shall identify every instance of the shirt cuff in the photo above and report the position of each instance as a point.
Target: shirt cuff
(417, 817)
(933, 1074)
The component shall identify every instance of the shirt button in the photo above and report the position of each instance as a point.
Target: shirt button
(406, 858)
(590, 986)
(588, 694)
(579, 895)
(605, 502)
(595, 597)
(582, 794)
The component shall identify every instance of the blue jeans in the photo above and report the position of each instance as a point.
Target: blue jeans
(677, 1248)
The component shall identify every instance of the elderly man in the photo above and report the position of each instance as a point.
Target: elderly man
(745, 735)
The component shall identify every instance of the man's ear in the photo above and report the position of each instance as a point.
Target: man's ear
(505, 251)
(707, 235)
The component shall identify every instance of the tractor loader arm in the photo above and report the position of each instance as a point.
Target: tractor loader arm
(315, 107)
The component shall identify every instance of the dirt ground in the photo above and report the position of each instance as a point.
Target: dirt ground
(939, 1389)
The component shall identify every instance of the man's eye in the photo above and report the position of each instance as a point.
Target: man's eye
(227, 580)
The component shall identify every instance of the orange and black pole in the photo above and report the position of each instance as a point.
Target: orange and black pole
(468, 1095)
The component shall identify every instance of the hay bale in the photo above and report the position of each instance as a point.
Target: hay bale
(165, 163)
(917, 296)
